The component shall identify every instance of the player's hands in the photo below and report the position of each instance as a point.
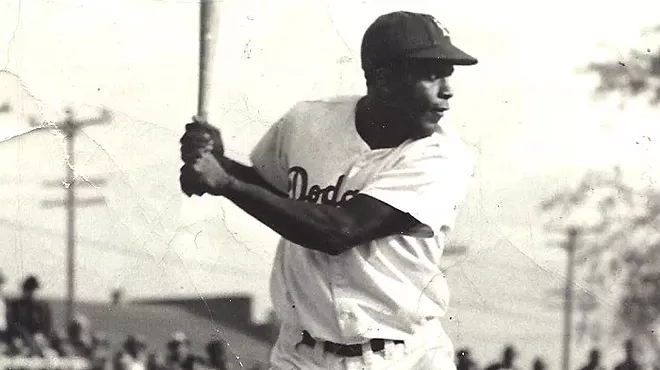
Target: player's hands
(205, 175)
(190, 181)
(201, 137)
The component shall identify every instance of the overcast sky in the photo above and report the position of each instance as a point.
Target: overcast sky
(526, 109)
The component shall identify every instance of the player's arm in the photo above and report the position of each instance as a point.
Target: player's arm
(248, 175)
(326, 228)
(418, 196)
(330, 229)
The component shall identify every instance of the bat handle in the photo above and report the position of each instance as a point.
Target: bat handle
(200, 118)
(207, 31)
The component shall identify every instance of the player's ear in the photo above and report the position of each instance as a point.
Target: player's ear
(382, 80)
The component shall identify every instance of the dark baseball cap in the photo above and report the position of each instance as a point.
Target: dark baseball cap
(406, 35)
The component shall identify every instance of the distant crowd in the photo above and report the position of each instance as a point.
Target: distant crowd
(27, 332)
(464, 360)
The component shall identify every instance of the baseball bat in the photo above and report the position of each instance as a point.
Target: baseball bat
(208, 29)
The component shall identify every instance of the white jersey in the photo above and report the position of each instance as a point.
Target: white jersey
(384, 288)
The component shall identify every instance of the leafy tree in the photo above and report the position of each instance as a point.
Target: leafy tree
(618, 253)
(617, 256)
(634, 75)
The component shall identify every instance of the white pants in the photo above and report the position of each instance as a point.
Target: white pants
(430, 349)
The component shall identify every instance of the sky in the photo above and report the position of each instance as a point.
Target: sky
(527, 110)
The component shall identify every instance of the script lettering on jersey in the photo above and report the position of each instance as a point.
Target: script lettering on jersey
(299, 189)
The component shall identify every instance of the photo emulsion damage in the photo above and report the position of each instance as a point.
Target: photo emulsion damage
(295, 184)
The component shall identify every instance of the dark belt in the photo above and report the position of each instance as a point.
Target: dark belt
(345, 350)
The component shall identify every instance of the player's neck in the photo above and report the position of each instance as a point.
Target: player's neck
(373, 121)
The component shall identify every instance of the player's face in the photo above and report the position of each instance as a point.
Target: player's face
(422, 95)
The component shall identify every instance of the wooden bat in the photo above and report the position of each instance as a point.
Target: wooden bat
(208, 30)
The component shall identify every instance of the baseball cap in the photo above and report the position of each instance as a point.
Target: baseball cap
(408, 35)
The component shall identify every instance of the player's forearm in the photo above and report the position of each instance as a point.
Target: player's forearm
(248, 175)
(319, 227)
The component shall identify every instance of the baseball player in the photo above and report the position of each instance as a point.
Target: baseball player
(363, 191)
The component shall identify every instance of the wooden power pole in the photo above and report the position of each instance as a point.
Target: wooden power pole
(568, 298)
(70, 127)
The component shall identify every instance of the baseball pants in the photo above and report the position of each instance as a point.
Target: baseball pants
(429, 349)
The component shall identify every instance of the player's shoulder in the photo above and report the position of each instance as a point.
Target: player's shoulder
(327, 104)
(319, 115)
(444, 144)
(334, 100)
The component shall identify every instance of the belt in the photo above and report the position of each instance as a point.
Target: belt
(346, 350)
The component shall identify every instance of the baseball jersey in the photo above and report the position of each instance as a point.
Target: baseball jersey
(384, 288)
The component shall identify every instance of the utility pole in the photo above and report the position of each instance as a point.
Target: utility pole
(70, 127)
(568, 298)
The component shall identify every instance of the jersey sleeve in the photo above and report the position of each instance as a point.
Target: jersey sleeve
(428, 184)
(269, 156)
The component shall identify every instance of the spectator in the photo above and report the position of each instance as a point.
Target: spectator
(4, 349)
(100, 355)
(117, 297)
(60, 344)
(539, 364)
(464, 360)
(508, 360)
(178, 353)
(42, 347)
(28, 315)
(629, 363)
(100, 340)
(18, 348)
(3, 311)
(133, 354)
(594, 361)
(80, 337)
(156, 361)
(216, 354)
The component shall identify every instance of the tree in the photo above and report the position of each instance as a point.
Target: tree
(617, 257)
(635, 75)
(626, 252)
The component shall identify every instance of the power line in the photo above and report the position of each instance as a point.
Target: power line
(130, 252)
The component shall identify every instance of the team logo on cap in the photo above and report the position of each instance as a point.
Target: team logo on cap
(444, 29)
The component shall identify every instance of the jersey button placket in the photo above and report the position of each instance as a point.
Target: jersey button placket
(337, 284)
(340, 286)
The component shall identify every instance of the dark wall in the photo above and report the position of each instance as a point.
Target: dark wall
(232, 311)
